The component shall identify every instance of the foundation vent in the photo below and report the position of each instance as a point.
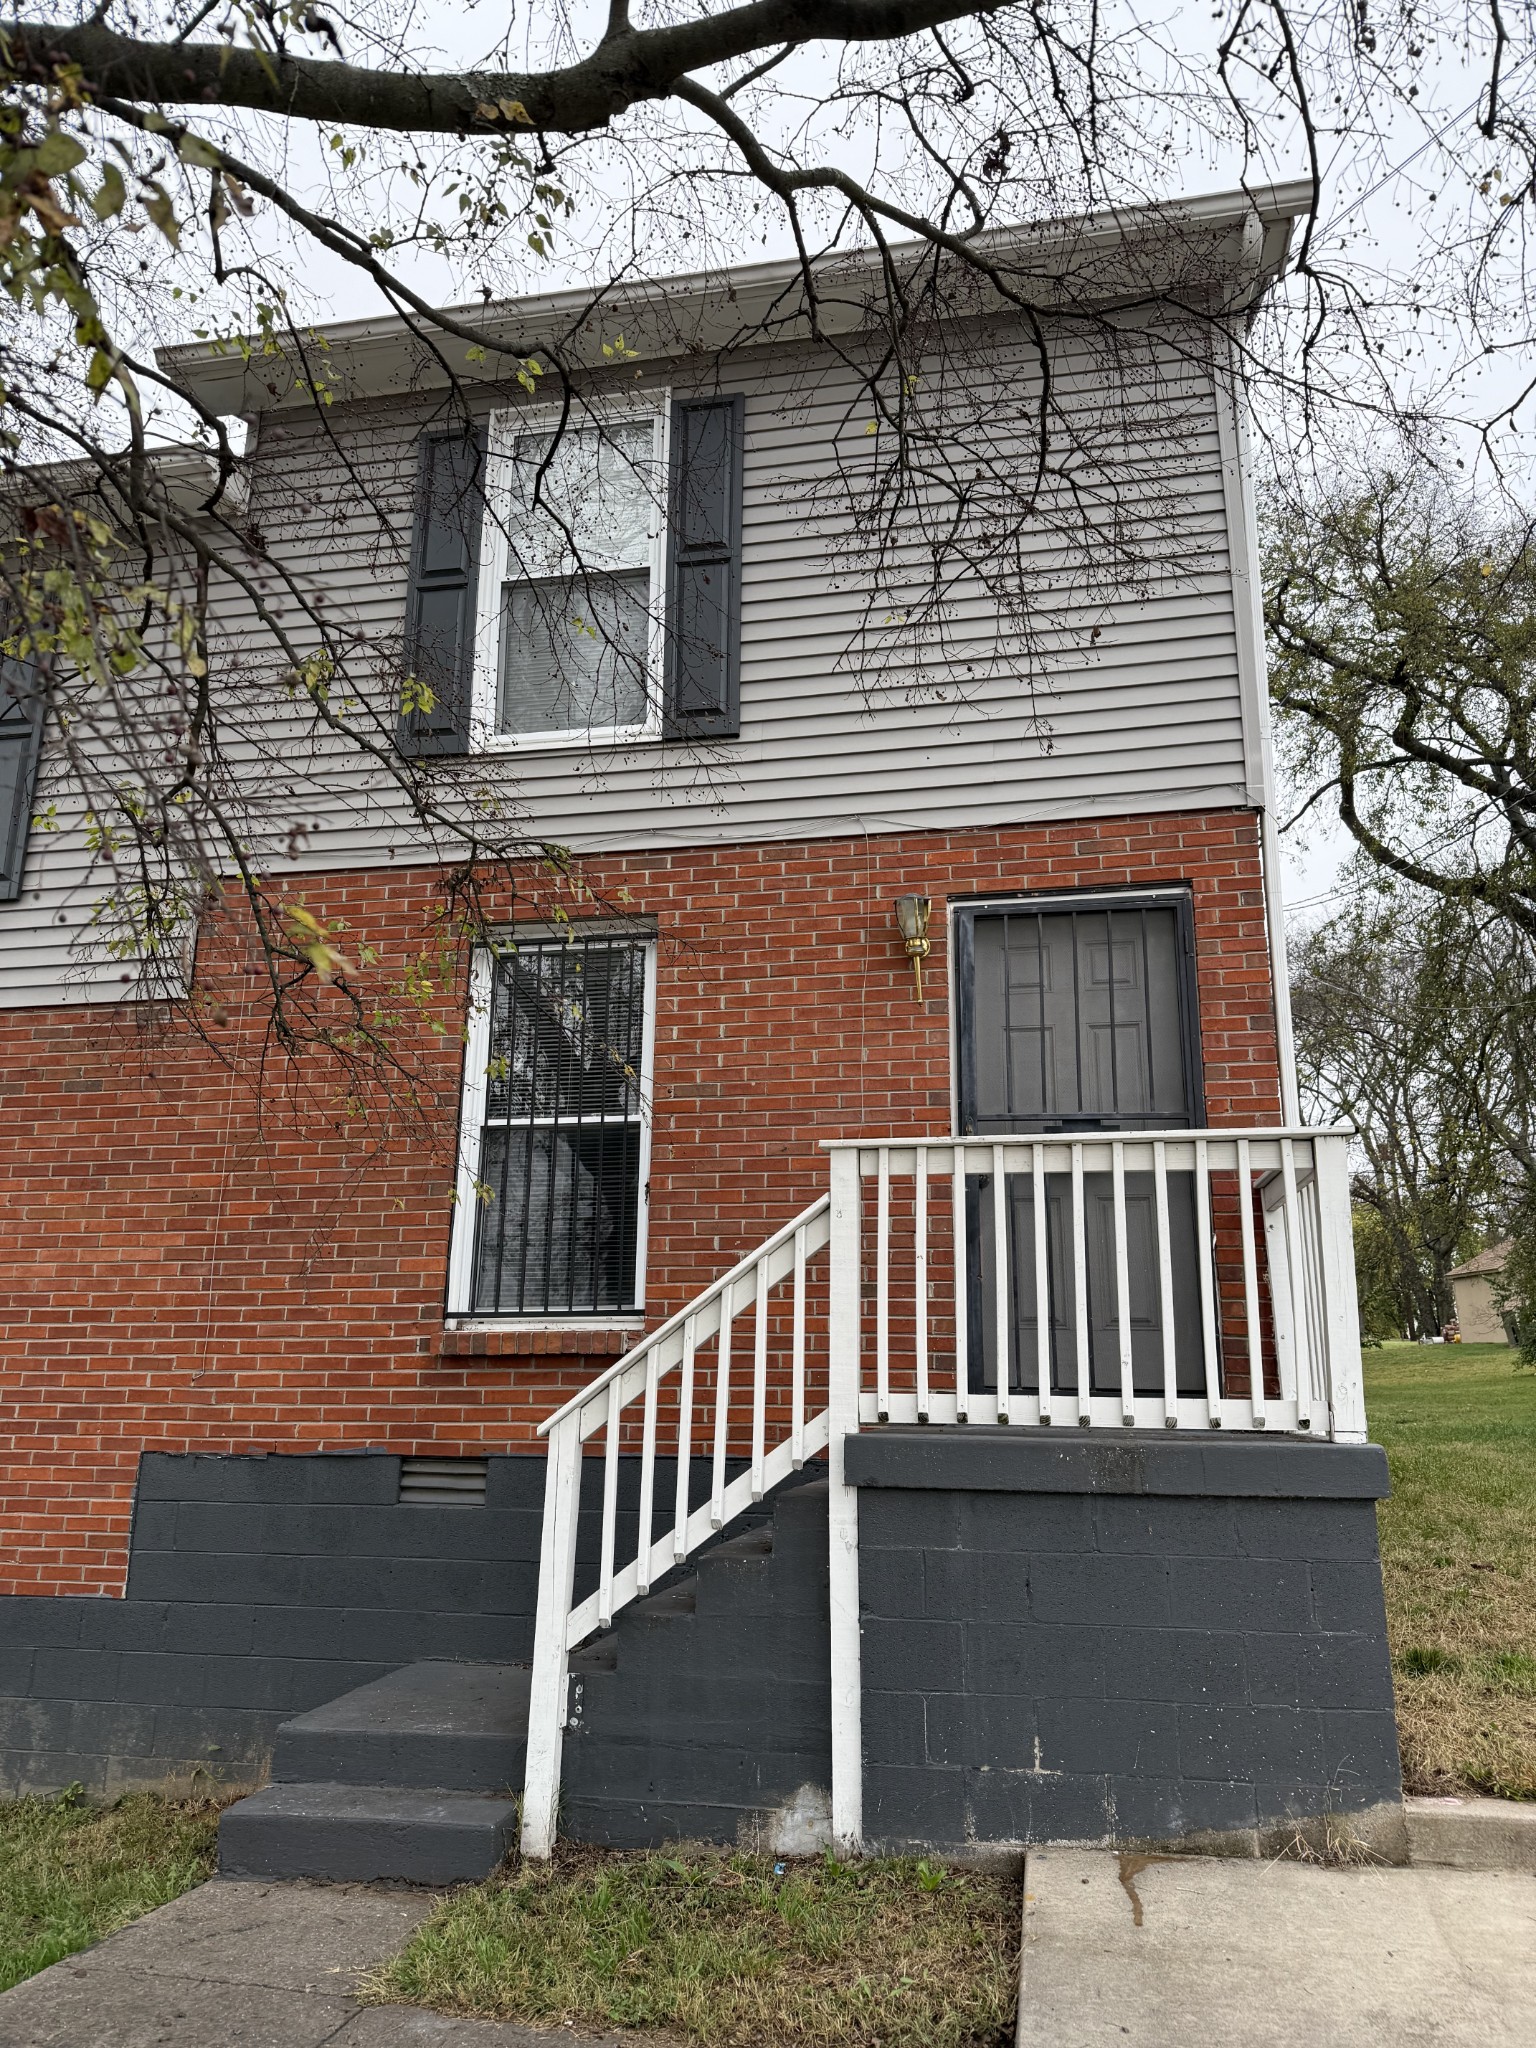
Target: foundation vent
(442, 1482)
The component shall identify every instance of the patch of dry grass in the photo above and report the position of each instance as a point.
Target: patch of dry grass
(727, 1951)
(1458, 1548)
(71, 1872)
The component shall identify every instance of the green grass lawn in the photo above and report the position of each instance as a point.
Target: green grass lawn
(1458, 1550)
(71, 1873)
(718, 1948)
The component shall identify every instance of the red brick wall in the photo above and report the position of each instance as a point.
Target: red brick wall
(180, 1277)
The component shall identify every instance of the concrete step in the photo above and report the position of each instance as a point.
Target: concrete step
(1471, 1833)
(366, 1833)
(448, 1727)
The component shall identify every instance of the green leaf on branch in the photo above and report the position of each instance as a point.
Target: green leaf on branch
(113, 196)
(192, 149)
(55, 154)
(160, 210)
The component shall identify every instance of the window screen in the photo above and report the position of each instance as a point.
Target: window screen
(577, 607)
(560, 1144)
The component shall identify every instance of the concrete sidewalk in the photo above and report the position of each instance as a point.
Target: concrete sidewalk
(1201, 1953)
(1118, 1953)
(246, 1965)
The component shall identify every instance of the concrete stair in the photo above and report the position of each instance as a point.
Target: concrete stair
(411, 1778)
(702, 1710)
(458, 1727)
(366, 1834)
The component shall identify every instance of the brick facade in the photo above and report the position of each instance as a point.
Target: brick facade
(183, 1277)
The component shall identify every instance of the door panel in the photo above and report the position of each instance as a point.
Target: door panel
(1103, 1333)
(1080, 1017)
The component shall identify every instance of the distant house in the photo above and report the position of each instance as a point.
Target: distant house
(1475, 1287)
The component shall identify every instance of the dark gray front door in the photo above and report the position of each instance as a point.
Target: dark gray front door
(1077, 1015)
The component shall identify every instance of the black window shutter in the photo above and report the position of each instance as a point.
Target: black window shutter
(440, 605)
(21, 740)
(703, 699)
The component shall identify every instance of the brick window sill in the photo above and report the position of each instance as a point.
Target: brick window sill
(598, 1342)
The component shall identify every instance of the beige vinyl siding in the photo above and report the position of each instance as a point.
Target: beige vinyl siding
(1147, 716)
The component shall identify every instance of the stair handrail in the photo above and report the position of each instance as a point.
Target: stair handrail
(674, 1323)
(559, 1625)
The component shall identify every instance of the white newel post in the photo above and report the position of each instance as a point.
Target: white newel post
(843, 1502)
(547, 1691)
(1346, 1379)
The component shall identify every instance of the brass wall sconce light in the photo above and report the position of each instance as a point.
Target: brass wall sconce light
(912, 922)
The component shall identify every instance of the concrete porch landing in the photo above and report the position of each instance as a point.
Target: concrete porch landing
(1268, 1955)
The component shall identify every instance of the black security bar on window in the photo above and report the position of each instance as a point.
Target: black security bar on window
(559, 1170)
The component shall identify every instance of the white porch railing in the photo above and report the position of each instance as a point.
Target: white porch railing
(684, 1397)
(1194, 1280)
(1247, 1308)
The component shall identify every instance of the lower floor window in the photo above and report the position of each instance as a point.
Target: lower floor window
(554, 1131)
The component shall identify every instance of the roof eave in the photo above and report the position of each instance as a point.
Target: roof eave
(1238, 241)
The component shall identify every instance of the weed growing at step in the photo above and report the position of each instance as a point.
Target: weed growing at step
(1458, 1553)
(727, 1951)
(71, 1872)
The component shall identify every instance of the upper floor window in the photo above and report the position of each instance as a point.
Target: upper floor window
(570, 633)
(576, 580)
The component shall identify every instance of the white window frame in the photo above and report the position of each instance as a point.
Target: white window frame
(505, 427)
(477, 1052)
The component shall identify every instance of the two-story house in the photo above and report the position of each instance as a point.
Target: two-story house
(871, 1353)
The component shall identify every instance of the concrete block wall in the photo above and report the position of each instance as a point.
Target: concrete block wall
(259, 1587)
(1132, 1640)
(1128, 1641)
(708, 1717)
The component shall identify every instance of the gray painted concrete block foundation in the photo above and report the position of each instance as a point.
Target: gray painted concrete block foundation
(1131, 1641)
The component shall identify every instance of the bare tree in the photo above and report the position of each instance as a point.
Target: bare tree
(1402, 618)
(1414, 1022)
(180, 168)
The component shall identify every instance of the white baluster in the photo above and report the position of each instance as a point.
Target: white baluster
(647, 1476)
(610, 1508)
(1042, 1281)
(920, 1279)
(883, 1286)
(1122, 1283)
(722, 1405)
(1000, 1316)
(1205, 1262)
(797, 1363)
(962, 1281)
(759, 1378)
(684, 1445)
(1080, 1286)
(1295, 1257)
(1251, 1283)
(1165, 1288)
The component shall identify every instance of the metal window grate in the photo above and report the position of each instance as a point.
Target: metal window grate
(557, 1227)
(443, 1482)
